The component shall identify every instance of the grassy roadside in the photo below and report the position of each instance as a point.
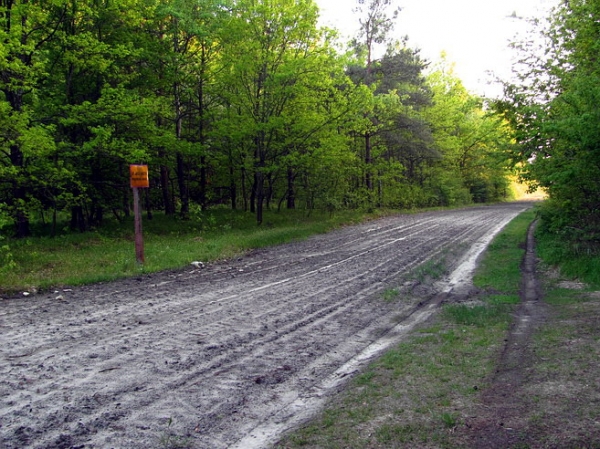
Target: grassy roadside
(428, 391)
(108, 253)
(562, 391)
(418, 393)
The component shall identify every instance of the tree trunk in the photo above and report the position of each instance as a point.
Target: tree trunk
(253, 194)
(149, 214)
(291, 194)
(22, 225)
(184, 196)
(368, 162)
(201, 136)
(244, 192)
(22, 228)
(269, 191)
(77, 219)
(232, 187)
(260, 186)
(168, 204)
(203, 183)
(184, 210)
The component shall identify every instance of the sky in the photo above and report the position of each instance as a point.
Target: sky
(474, 34)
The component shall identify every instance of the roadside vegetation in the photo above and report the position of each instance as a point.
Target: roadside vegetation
(552, 106)
(426, 392)
(105, 253)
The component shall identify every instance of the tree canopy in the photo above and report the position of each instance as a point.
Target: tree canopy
(246, 104)
(553, 108)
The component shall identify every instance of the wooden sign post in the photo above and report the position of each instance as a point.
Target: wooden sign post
(139, 179)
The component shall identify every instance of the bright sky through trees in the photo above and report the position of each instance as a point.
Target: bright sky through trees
(474, 34)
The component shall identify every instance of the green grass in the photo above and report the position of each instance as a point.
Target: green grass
(108, 253)
(433, 269)
(479, 315)
(558, 251)
(390, 294)
(565, 375)
(497, 271)
(416, 394)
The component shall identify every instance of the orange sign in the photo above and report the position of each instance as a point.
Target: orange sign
(139, 176)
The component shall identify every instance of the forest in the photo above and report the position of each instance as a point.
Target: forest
(240, 104)
(553, 108)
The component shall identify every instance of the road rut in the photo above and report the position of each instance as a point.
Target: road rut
(230, 355)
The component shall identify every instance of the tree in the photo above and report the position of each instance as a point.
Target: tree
(472, 142)
(273, 52)
(554, 108)
(26, 30)
(101, 122)
(188, 40)
(375, 25)
(239, 101)
(405, 133)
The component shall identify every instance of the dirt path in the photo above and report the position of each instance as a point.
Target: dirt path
(229, 355)
(503, 407)
(545, 393)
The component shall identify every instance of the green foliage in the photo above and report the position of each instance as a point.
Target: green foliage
(472, 141)
(448, 189)
(7, 262)
(576, 258)
(246, 104)
(554, 110)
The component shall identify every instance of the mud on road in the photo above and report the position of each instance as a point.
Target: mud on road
(230, 355)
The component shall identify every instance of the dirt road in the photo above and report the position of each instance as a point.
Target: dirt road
(232, 354)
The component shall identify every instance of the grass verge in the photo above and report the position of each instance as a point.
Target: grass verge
(418, 393)
(561, 391)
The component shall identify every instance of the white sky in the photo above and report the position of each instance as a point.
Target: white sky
(474, 34)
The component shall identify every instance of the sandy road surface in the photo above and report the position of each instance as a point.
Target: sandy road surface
(226, 356)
